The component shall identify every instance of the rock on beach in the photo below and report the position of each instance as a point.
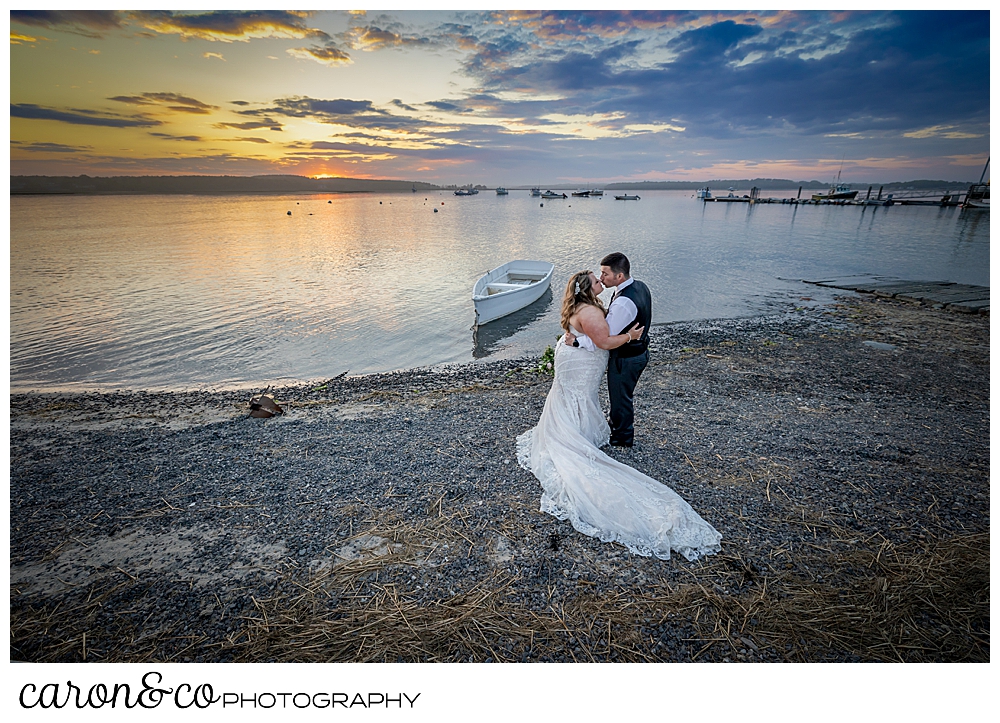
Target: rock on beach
(842, 451)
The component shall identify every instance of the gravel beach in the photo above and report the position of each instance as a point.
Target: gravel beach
(841, 450)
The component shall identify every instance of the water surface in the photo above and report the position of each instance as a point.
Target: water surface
(179, 292)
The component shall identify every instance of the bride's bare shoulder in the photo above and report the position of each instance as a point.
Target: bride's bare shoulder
(589, 312)
(591, 321)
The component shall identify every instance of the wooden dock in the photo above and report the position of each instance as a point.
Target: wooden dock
(964, 298)
(889, 201)
(906, 198)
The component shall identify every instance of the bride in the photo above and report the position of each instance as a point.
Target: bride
(600, 496)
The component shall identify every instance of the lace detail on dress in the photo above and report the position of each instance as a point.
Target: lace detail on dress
(598, 495)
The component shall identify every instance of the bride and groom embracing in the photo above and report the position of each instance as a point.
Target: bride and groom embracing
(598, 495)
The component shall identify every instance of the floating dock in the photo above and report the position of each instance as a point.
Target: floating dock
(940, 294)
(907, 198)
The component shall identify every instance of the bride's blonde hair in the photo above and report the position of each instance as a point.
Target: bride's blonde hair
(579, 292)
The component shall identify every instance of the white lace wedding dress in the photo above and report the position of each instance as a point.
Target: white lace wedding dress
(600, 496)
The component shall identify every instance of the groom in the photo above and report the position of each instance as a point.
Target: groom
(630, 307)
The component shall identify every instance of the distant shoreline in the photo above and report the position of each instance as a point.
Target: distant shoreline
(276, 184)
(189, 193)
(205, 185)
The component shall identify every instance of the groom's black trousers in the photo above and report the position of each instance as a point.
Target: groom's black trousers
(623, 375)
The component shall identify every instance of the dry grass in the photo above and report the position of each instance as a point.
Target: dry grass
(915, 603)
(908, 603)
(905, 603)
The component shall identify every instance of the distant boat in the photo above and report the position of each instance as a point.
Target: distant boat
(510, 287)
(704, 193)
(466, 192)
(501, 191)
(414, 189)
(596, 192)
(581, 193)
(978, 195)
(553, 194)
(627, 197)
(536, 192)
(838, 191)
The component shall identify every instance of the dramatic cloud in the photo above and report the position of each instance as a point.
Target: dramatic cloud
(252, 125)
(942, 131)
(353, 113)
(445, 105)
(18, 38)
(726, 78)
(324, 109)
(562, 26)
(229, 25)
(92, 23)
(170, 101)
(176, 138)
(373, 38)
(328, 54)
(599, 94)
(79, 117)
(49, 147)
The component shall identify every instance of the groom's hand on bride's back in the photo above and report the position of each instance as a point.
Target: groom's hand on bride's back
(569, 339)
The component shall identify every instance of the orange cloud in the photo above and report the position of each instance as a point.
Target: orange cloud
(171, 101)
(325, 54)
(229, 26)
(372, 38)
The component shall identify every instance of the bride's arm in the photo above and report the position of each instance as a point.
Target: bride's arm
(596, 327)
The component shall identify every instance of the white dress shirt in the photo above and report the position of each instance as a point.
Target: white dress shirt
(621, 313)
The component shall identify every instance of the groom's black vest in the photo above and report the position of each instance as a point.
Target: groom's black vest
(638, 292)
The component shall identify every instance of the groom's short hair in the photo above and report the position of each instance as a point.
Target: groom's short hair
(617, 262)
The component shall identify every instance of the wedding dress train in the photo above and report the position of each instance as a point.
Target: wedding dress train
(598, 495)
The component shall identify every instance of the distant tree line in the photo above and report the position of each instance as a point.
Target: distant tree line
(303, 184)
(207, 184)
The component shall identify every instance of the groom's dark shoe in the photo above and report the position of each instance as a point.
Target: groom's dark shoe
(617, 443)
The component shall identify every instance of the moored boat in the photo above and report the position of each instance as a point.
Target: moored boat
(704, 193)
(978, 196)
(510, 287)
(627, 197)
(466, 192)
(596, 192)
(536, 192)
(837, 192)
(553, 194)
(501, 191)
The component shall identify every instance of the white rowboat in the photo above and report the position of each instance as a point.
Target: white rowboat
(510, 287)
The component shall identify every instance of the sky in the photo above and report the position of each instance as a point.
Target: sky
(502, 97)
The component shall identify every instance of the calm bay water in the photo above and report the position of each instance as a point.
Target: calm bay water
(183, 292)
